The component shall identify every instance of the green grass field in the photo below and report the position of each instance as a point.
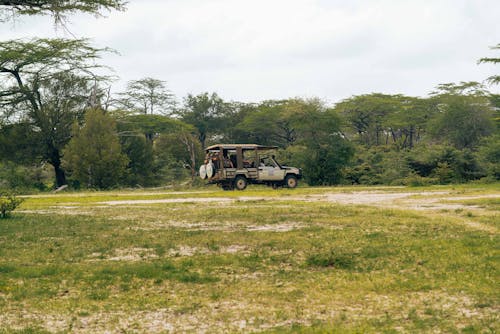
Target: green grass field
(308, 260)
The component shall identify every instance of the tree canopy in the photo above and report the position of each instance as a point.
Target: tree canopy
(94, 155)
(494, 79)
(148, 96)
(58, 9)
(47, 83)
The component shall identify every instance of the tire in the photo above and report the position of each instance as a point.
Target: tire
(210, 169)
(291, 181)
(203, 172)
(240, 182)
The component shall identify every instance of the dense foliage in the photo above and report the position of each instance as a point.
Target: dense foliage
(94, 156)
(53, 112)
(448, 137)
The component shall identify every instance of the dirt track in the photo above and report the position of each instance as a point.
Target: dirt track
(408, 200)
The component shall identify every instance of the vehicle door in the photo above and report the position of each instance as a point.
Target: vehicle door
(269, 171)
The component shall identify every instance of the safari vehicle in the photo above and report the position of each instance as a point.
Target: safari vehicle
(236, 165)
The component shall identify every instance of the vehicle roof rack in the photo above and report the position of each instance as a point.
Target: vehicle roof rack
(243, 146)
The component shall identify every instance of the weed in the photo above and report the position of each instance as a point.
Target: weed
(331, 258)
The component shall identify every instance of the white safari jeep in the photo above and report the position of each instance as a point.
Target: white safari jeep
(236, 165)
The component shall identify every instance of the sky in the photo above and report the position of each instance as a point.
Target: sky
(251, 51)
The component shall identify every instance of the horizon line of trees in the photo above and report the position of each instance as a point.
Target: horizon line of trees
(450, 136)
(56, 112)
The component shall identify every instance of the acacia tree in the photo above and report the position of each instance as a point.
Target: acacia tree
(494, 79)
(367, 115)
(58, 9)
(45, 83)
(321, 148)
(206, 113)
(271, 123)
(466, 114)
(148, 95)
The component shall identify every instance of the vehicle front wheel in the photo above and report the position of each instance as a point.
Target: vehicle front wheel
(240, 182)
(291, 181)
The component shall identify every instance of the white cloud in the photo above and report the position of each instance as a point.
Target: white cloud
(258, 50)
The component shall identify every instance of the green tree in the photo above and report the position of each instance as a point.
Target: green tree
(270, 123)
(57, 8)
(150, 141)
(148, 95)
(489, 155)
(229, 119)
(93, 156)
(321, 149)
(47, 83)
(151, 126)
(465, 114)
(406, 125)
(179, 152)
(141, 161)
(444, 163)
(206, 113)
(368, 114)
(494, 79)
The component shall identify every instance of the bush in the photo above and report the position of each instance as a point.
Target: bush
(93, 157)
(24, 178)
(332, 258)
(8, 203)
(489, 156)
(444, 163)
(377, 165)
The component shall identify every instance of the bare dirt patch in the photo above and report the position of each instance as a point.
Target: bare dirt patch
(412, 200)
(125, 254)
(249, 316)
(286, 227)
(191, 251)
(169, 200)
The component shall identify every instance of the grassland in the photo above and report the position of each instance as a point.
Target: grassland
(305, 260)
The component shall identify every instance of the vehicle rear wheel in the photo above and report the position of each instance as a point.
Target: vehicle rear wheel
(240, 182)
(291, 181)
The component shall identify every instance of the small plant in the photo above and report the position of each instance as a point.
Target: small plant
(332, 258)
(8, 203)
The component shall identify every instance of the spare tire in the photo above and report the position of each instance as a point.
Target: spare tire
(210, 169)
(203, 172)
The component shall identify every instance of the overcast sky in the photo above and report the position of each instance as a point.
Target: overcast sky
(271, 49)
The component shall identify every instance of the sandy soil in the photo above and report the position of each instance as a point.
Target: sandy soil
(410, 200)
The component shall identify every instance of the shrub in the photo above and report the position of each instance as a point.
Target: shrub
(331, 258)
(489, 156)
(93, 156)
(23, 178)
(8, 203)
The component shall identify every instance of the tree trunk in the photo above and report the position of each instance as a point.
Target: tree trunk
(202, 137)
(60, 176)
(412, 130)
(55, 161)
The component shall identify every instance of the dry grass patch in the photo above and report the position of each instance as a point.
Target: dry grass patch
(308, 260)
